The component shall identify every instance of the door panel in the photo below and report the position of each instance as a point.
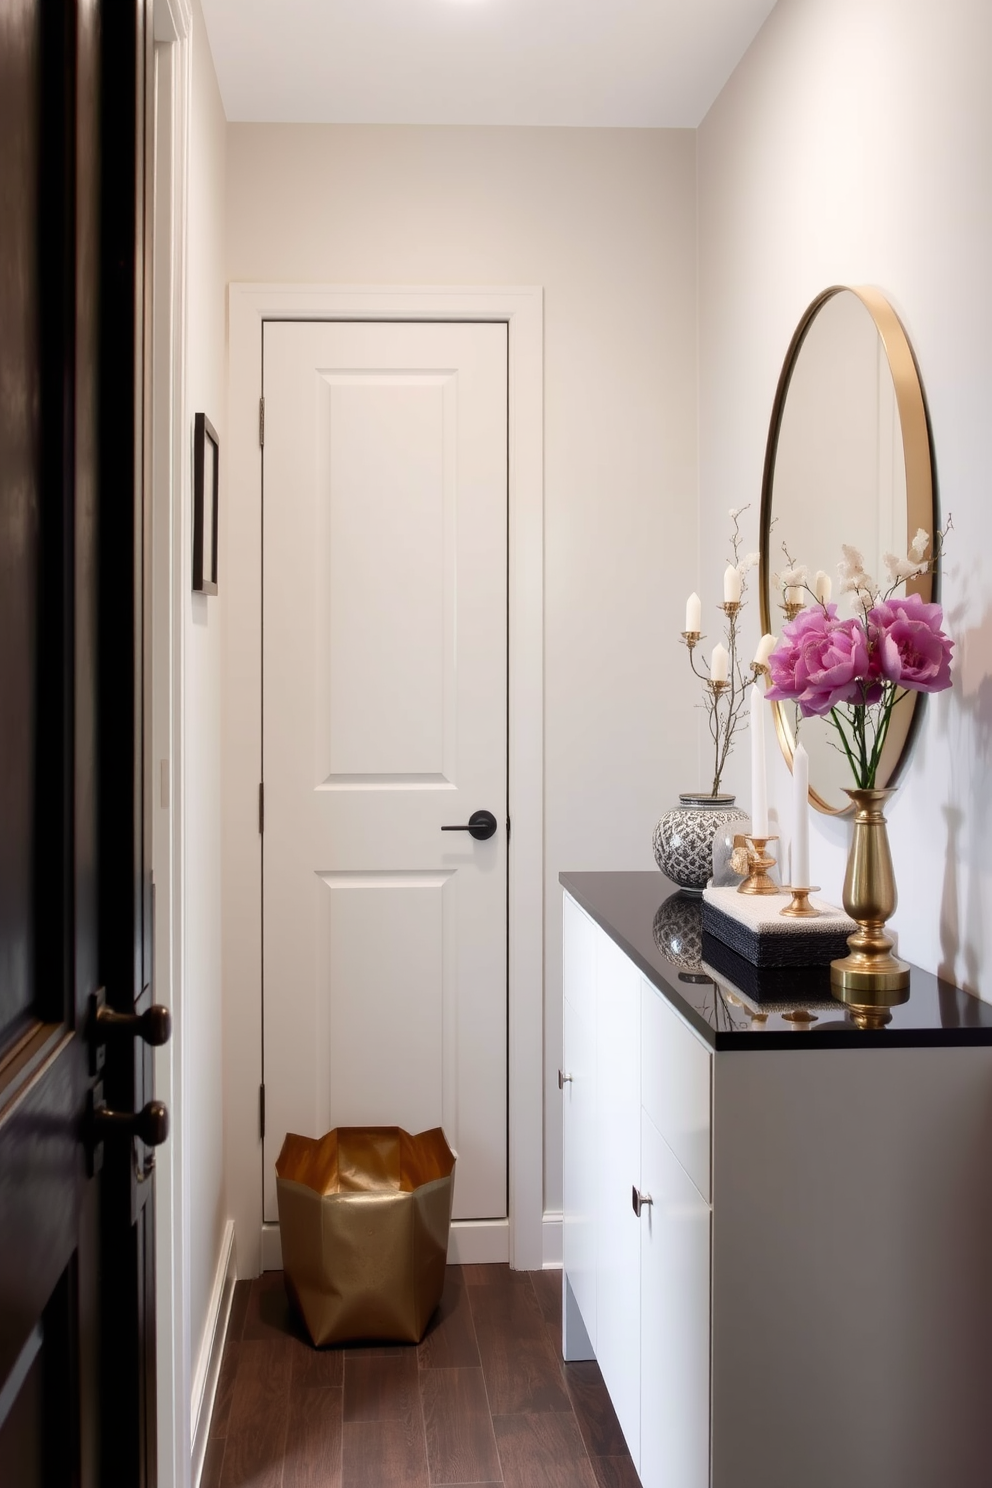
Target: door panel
(403, 1083)
(20, 462)
(580, 1179)
(675, 1336)
(617, 1158)
(676, 1076)
(384, 720)
(42, 1067)
(385, 648)
(72, 1329)
(580, 1189)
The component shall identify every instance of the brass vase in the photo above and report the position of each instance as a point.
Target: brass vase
(870, 980)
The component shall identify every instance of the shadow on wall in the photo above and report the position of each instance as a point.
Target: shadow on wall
(962, 931)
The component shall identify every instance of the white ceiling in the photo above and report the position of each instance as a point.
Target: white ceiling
(605, 63)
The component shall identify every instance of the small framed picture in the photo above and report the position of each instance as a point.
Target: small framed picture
(206, 462)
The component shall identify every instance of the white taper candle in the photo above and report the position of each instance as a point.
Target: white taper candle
(719, 663)
(800, 818)
(765, 648)
(759, 785)
(823, 587)
(731, 585)
(693, 614)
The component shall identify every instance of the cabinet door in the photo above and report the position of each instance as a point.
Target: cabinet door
(579, 1196)
(580, 938)
(676, 1077)
(675, 1321)
(618, 1301)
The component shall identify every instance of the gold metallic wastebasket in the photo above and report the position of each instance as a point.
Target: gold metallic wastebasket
(364, 1214)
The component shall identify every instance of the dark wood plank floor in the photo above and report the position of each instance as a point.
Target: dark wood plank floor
(484, 1399)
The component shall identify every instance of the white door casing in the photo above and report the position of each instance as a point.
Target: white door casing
(384, 720)
(251, 307)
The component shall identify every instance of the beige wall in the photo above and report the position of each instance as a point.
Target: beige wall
(206, 371)
(605, 222)
(854, 144)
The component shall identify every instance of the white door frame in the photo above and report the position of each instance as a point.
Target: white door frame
(241, 555)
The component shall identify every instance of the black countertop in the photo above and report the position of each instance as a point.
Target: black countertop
(663, 945)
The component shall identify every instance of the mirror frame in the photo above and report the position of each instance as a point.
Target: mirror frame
(921, 504)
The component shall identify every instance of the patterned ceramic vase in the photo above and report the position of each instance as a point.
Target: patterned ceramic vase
(683, 839)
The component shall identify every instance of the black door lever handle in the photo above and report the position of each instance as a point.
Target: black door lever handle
(481, 825)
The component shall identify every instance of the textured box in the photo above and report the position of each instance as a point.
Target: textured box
(753, 926)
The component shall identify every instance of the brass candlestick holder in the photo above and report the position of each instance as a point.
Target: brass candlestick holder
(730, 606)
(718, 688)
(692, 638)
(791, 607)
(759, 862)
(799, 908)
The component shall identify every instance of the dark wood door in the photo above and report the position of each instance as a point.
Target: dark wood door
(76, 1261)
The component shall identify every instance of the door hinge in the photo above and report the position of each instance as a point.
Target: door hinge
(261, 1112)
(507, 828)
(261, 806)
(261, 423)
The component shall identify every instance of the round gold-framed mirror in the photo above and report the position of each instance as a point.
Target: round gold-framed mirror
(849, 460)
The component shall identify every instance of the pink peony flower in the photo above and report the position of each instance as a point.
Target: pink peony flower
(822, 661)
(910, 645)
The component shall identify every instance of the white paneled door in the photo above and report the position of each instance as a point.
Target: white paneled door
(384, 721)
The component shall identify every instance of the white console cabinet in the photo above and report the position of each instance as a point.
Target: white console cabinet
(624, 1124)
(805, 1299)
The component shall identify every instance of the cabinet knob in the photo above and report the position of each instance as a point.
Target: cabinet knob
(563, 1080)
(639, 1200)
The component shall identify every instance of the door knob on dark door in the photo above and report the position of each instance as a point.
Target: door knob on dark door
(153, 1026)
(480, 825)
(151, 1124)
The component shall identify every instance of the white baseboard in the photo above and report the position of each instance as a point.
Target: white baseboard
(551, 1237)
(207, 1371)
(472, 1242)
